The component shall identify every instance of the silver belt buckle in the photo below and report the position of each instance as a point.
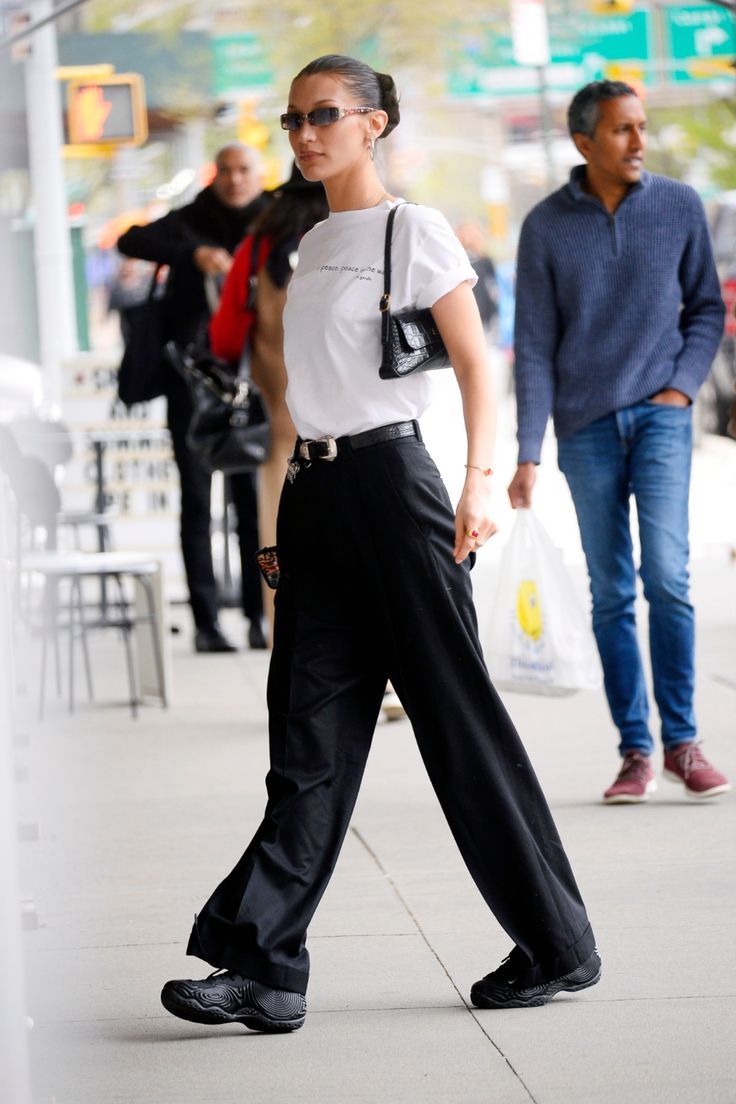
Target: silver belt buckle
(331, 443)
(331, 448)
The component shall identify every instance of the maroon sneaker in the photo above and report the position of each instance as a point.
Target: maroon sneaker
(635, 781)
(686, 763)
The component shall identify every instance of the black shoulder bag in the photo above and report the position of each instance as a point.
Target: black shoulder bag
(230, 429)
(141, 375)
(410, 339)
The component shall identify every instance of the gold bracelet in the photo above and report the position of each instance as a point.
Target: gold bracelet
(486, 471)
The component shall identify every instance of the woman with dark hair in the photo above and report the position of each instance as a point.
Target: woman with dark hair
(251, 309)
(375, 582)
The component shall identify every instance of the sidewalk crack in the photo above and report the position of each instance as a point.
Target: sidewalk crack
(405, 905)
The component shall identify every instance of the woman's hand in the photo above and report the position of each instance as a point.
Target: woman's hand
(458, 320)
(472, 516)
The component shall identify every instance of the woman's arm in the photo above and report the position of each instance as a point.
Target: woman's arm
(458, 321)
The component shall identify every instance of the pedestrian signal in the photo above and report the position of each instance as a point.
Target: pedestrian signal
(109, 111)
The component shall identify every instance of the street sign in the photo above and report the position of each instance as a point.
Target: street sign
(702, 36)
(240, 65)
(110, 111)
(529, 33)
(581, 50)
(616, 38)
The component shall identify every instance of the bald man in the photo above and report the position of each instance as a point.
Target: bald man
(196, 241)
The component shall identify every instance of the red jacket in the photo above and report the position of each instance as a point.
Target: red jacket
(233, 321)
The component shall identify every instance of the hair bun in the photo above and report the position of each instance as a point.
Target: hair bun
(389, 102)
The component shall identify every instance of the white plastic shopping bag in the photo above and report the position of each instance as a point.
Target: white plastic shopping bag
(538, 639)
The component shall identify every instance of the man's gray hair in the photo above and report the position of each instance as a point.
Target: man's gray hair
(584, 111)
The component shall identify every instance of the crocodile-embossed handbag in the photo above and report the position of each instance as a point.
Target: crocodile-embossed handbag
(410, 339)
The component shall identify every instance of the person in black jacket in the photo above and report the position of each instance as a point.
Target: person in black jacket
(196, 241)
(485, 291)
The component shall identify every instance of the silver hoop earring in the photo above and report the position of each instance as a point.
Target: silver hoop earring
(372, 149)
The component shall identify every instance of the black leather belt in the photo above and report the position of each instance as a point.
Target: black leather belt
(327, 448)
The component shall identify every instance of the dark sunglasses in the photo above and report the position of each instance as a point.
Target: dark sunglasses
(321, 116)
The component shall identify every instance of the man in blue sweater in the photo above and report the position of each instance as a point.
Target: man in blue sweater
(618, 318)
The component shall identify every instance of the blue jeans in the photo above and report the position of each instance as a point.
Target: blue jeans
(644, 450)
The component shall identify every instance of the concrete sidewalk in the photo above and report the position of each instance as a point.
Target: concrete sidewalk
(140, 818)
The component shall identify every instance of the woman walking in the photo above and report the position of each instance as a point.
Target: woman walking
(375, 584)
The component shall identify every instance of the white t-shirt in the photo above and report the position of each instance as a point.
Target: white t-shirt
(332, 324)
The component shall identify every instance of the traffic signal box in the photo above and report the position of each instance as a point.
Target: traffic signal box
(107, 112)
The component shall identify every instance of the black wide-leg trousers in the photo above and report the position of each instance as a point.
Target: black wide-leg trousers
(369, 590)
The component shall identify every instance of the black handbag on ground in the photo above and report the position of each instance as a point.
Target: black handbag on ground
(141, 374)
(230, 430)
(410, 339)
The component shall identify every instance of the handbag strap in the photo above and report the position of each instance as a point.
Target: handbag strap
(385, 302)
(211, 293)
(258, 257)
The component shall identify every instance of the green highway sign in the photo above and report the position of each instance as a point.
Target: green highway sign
(622, 38)
(581, 50)
(240, 65)
(700, 44)
(703, 36)
(487, 68)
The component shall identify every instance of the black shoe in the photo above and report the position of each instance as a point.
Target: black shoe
(501, 989)
(225, 997)
(256, 634)
(212, 640)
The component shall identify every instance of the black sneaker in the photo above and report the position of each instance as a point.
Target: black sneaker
(225, 997)
(501, 988)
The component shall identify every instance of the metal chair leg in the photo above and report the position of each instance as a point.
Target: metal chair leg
(57, 654)
(128, 648)
(155, 637)
(53, 616)
(85, 646)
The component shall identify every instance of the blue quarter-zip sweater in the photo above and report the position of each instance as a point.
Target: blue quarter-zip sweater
(611, 309)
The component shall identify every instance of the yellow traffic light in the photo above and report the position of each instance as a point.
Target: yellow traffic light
(251, 131)
(628, 71)
(611, 7)
(498, 221)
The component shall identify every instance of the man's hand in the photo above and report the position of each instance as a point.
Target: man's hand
(522, 485)
(212, 260)
(670, 397)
